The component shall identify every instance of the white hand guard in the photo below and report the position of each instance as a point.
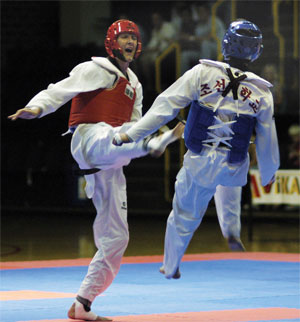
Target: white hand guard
(121, 138)
(117, 140)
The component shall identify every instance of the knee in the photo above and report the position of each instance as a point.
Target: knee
(184, 224)
(122, 241)
(118, 243)
(112, 249)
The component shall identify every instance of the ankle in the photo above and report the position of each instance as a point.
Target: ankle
(85, 302)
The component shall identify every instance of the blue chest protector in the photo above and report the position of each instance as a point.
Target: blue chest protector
(196, 130)
(201, 117)
(243, 130)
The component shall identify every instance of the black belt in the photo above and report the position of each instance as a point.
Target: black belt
(85, 172)
(72, 129)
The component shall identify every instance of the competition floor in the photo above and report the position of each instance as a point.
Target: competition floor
(45, 256)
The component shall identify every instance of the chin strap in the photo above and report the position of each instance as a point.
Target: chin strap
(117, 54)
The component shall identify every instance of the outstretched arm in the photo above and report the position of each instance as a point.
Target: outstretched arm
(165, 107)
(26, 113)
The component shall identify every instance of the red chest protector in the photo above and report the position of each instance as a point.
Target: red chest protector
(113, 106)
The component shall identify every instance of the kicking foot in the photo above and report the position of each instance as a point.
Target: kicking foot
(157, 145)
(176, 275)
(235, 244)
(77, 312)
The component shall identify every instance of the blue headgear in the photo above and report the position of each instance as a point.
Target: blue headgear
(242, 40)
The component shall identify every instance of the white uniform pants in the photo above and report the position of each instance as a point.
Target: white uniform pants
(92, 146)
(110, 232)
(189, 206)
(228, 206)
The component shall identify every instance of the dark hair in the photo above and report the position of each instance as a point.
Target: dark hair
(241, 64)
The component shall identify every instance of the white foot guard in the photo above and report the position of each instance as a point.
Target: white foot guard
(157, 145)
(176, 275)
(77, 312)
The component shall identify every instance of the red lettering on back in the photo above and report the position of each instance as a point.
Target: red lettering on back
(205, 89)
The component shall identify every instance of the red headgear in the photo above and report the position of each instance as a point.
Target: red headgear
(121, 26)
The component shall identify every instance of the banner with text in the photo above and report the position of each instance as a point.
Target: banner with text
(285, 189)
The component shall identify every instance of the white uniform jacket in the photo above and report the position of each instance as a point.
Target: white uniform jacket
(86, 77)
(205, 83)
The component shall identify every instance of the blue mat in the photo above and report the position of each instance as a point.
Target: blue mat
(141, 289)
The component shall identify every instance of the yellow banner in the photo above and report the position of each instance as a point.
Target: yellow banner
(285, 189)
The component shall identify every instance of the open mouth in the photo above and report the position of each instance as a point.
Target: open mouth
(129, 50)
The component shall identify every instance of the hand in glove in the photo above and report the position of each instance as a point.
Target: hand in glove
(121, 138)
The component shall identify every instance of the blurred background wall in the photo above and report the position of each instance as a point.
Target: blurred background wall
(41, 41)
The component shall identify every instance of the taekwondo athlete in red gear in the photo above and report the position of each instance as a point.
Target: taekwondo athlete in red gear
(106, 99)
(227, 103)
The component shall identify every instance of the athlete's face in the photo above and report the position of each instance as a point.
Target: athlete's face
(128, 44)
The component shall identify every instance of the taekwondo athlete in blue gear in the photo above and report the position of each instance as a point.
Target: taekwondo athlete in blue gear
(225, 102)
